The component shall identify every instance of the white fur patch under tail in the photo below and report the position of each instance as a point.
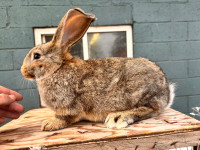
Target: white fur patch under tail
(172, 87)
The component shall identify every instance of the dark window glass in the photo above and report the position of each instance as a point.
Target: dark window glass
(76, 50)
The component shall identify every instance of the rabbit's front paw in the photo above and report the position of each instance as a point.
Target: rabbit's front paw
(118, 120)
(53, 124)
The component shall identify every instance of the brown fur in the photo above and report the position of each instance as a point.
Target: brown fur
(118, 91)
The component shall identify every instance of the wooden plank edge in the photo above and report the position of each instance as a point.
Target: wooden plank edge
(119, 138)
(160, 141)
(109, 139)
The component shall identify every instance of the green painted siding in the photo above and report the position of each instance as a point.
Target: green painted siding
(165, 31)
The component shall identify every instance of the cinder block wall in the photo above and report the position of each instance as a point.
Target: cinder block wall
(165, 31)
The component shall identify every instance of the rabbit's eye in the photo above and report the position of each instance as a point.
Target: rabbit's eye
(37, 56)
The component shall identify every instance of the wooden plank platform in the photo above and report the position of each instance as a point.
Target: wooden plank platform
(170, 129)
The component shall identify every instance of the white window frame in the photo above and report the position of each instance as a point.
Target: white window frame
(40, 32)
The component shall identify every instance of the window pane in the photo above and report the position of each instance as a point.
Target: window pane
(112, 44)
(76, 50)
(48, 38)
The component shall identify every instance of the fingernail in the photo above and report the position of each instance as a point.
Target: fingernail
(12, 97)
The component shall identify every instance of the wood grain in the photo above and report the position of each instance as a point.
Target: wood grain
(25, 132)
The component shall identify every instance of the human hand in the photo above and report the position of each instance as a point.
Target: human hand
(9, 108)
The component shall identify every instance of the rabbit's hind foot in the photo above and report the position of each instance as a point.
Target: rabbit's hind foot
(118, 120)
(124, 118)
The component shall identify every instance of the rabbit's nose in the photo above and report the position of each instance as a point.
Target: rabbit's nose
(26, 73)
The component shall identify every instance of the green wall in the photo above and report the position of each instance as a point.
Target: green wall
(165, 31)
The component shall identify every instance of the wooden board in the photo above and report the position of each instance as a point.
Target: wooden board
(25, 132)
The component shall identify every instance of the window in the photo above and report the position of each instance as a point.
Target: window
(98, 42)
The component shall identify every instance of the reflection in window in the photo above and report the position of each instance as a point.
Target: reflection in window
(76, 50)
(112, 44)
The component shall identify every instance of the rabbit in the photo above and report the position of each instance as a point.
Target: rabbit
(116, 91)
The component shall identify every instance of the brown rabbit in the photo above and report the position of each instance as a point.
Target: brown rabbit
(117, 91)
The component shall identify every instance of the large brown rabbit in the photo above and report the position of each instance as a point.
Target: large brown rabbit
(117, 91)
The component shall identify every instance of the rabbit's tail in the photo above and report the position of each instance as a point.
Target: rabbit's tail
(172, 87)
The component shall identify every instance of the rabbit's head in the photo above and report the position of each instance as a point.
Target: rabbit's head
(45, 59)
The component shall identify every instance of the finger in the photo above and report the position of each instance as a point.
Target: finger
(9, 114)
(6, 99)
(2, 120)
(14, 107)
(11, 92)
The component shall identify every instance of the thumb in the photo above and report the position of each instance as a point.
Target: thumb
(6, 99)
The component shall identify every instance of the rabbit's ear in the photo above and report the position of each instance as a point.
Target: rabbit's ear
(72, 28)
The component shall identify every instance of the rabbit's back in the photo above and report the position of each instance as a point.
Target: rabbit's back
(107, 73)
